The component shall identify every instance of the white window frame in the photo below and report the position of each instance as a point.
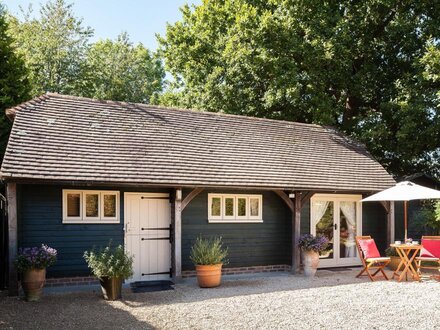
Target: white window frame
(235, 219)
(82, 219)
(84, 203)
(210, 216)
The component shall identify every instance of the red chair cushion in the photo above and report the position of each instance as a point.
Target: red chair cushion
(430, 248)
(369, 248)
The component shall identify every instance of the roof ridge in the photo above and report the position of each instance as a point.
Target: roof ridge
(75, 97)
(10, 112)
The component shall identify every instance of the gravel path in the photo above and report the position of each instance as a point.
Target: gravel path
(332, 300)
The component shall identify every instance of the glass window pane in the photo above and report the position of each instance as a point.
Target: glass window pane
(241, 205)
(216, 206)
(255, 206)
(229, 206)
(73, 205)
(323, 218)
(347, 242)
(110, 206)
(92, 205)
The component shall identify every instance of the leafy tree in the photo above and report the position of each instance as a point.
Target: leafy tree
(14, 86)
(54, 46)
(120, 71)
(366, 67)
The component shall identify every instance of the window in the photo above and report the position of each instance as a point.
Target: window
(235, 208)
(90, 206)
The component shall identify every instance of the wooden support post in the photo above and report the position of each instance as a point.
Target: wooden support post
(296, 230)
(177, 242)
(11, 194)
(390, 223)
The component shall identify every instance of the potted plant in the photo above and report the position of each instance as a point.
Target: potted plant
(209, 255)
(311, 247)
(394, 256)
(111, 266)
(32, 264)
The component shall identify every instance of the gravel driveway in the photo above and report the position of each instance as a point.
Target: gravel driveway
(332, 300)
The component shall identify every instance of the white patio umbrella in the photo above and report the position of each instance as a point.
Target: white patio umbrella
(404, 191)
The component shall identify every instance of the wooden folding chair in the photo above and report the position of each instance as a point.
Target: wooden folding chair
(430, 253)
(371, 258)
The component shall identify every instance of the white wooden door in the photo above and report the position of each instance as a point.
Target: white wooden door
(147, 219)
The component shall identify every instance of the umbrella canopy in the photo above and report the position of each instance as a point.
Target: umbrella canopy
(404, 191)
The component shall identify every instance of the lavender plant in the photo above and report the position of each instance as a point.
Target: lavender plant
(35, 258)
(318, 243)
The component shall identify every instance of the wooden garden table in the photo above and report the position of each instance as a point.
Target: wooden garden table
(407, 254)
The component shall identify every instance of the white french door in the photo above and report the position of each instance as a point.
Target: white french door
(339, 218)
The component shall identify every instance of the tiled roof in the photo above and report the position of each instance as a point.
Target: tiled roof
(59, 137)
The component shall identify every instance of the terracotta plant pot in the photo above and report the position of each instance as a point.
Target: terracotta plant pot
(209, 276)
(32, 282)
(394, 263)
(111, 287)
(310, 262)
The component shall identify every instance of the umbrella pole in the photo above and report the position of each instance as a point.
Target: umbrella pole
(405, 212)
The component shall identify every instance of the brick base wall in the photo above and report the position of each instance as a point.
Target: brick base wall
(91, 280)
(244, 270)
(71, 281)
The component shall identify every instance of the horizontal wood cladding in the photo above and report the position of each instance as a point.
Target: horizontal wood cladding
(40, 222)
(249, 244)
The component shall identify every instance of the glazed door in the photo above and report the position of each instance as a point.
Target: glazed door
(338, 217)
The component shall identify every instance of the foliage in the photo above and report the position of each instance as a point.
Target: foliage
(369, 68)
(14, 86)
(110, 262)
(208, 251)
(35, 258)
(308, 242)
(120, 71)
(391, 252)
(54, 47)
(427, 218)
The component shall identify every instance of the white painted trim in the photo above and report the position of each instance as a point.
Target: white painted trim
(235, 221)
(210, 197)
(112, 193)
(90, 220)
(65, 193)
(235, 218)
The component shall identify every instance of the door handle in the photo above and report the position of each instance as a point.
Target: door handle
(336, 226)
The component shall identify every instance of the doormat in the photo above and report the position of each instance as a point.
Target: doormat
(151, 286)
(339, 269)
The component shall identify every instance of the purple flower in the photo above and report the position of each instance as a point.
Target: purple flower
(317, 243)
(35, 258)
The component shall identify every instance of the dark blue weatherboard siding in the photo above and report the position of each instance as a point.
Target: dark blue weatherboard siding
(40, 221)
(249, 244)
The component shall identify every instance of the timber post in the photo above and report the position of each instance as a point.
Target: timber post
(296, 231)
(177, 235)
(11, 195)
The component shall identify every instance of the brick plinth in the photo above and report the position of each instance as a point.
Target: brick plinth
(244, 270)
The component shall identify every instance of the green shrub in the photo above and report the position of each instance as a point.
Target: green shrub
(391, 252)
(110, 262)
(209, 251)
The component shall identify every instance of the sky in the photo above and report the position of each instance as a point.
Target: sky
(142, 19)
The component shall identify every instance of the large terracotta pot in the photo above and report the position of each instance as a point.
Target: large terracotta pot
(394, 263)
(111, 287)
(209, 276)
(32, 282)
(310, 262)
